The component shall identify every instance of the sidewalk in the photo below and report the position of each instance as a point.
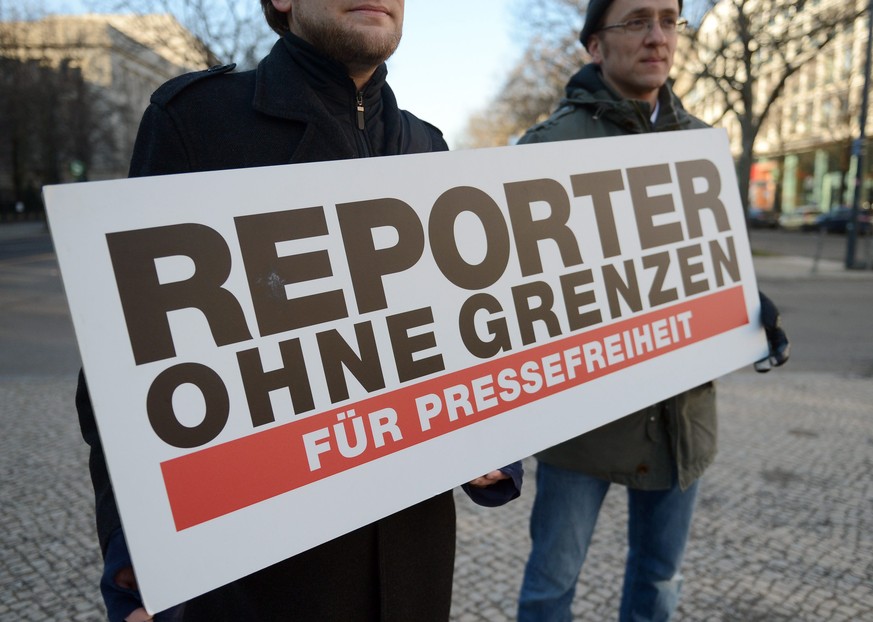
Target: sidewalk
(794, 267)
(766, 267)
(782, 530)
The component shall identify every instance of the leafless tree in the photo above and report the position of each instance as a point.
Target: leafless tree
(52, 127)
(745, 51)
(534, 85)
(227, 30)
(549, 30)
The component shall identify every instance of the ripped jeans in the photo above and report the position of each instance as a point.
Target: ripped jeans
(562, 522)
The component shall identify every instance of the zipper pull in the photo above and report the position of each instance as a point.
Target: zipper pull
(360, 97)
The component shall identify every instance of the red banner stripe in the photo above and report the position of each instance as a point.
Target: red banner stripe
(216, 481)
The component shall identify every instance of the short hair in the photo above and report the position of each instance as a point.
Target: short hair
(275, 19)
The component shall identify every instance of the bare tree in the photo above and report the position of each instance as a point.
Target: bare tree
(64, 115)
(226, 30)
(744, 53)
(736, 61)
(52, 126)
(535, 85)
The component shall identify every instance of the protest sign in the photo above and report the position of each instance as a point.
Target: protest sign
(279, 355)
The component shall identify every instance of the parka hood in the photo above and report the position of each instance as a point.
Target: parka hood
(586, 88)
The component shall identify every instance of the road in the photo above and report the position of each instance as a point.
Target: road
(783, 532)
(811, 244)
(830, 320)
(36, 331)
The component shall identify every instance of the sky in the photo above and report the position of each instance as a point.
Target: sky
(452, 59)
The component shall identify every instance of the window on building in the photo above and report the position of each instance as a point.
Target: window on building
(827, 112)
(848, 59)
(829, 67)
(809, 77)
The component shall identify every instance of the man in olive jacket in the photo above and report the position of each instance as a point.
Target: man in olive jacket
(320, 94)
(659, 452)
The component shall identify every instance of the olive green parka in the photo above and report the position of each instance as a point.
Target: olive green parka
(644, 449)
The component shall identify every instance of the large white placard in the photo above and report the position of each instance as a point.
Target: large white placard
(279, 355)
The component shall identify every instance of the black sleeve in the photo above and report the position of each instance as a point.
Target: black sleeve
(160, 147)
(501, 492)
(777, 340)
(104, 498)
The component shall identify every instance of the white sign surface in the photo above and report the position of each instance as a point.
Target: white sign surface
(279, 355)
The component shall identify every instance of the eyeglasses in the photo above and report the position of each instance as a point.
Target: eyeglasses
(644, 25)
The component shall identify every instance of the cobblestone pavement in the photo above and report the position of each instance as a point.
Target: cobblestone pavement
(49, 559)
(783, 531)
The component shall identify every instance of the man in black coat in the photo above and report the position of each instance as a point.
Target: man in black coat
(319, 95)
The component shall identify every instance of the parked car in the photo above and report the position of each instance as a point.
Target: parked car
(837, 221)
(802, 218)
(762, 218)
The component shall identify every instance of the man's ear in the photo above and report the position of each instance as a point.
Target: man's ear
(594, 49)
(283, 6)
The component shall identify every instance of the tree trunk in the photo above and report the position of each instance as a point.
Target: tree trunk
(744, 173)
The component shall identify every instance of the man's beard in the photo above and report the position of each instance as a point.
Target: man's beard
(350, 47)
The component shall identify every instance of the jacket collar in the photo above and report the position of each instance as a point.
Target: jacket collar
(283, 89)
(587, 88)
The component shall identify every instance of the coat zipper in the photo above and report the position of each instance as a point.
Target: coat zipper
(364, 141)
(360, 101)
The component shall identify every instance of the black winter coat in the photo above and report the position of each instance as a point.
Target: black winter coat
(398, 568)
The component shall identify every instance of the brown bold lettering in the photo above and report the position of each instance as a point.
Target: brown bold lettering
(336, 354)
(529, 232)
(689, 270)
(724, 261)
(599, 186)
(616, 286)
(647, 208)
(708, 199)
(523, 296)
(162, 416)
(658, 295)
(259, 383)
(441, 232)
(497, 328)
(575, 300)
(146, 301)
(368, 264)
(268, 272)
(405, 346)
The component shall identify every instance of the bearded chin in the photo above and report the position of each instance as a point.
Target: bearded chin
(353, 48)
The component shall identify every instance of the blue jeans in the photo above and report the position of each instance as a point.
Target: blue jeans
(562, 521)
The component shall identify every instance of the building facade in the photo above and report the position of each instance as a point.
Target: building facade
(74, 88)
(808, 70)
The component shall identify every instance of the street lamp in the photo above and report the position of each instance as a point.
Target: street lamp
(859, 148)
